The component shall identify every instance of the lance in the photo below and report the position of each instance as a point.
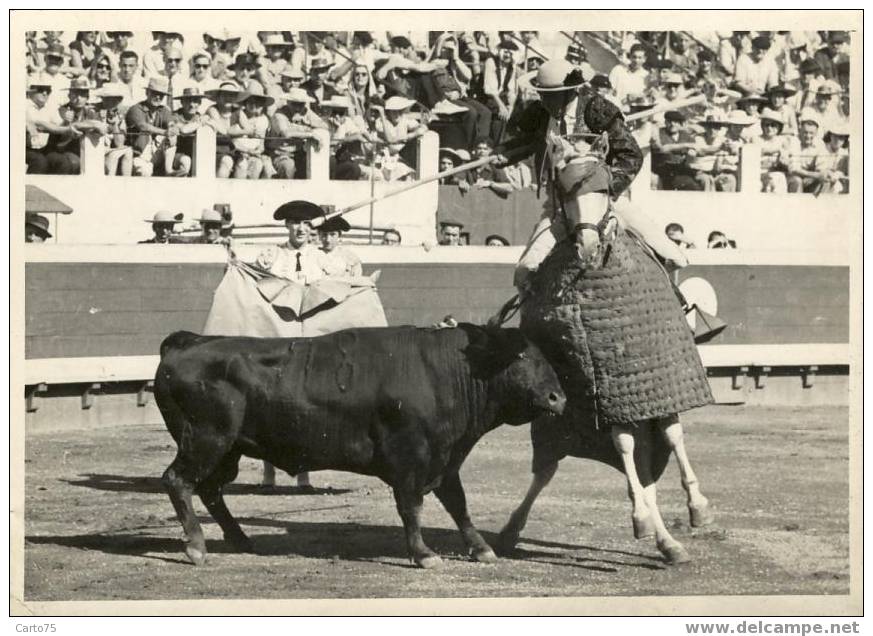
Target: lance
(318, 221)
(331, 48)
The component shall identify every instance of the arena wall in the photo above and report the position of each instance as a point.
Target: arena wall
(95, 316)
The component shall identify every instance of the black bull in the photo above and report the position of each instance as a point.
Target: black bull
(403, 404)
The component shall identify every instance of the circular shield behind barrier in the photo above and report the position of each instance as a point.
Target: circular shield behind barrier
(698, 291)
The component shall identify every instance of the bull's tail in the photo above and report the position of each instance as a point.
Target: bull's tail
(178, 340)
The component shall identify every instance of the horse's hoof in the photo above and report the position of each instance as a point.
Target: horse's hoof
(644, 527)
(429, 562)
(197, 557)
(674, 554)
(700, 515)
(485, 555)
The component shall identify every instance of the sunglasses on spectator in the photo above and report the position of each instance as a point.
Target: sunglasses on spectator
(106, 66)
(201, 66)
(174, 59)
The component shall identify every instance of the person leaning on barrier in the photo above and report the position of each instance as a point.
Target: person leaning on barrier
(251, 123)
(36, 228)
(119, 156)
(832, 166)
(187, 120)
(291, 125)
(62, 148)
(221, 117)
(148, 122)
(43, 121)
(163, 227)
(708, 166)
(212, 222)
(776, 149)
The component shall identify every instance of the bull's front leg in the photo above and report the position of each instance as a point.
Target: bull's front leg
(409, 505)
(451, 495)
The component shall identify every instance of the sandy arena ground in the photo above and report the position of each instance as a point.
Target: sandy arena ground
(99, 526)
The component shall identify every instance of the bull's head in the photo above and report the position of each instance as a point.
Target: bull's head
(521, 381)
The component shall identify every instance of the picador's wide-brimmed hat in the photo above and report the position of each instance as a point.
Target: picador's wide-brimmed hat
(555, 75)
(298, 210)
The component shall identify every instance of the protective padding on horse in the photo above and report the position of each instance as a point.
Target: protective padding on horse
(616, 335)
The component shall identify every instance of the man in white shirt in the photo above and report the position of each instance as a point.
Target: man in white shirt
(297, 259)
(757, 71)
(630, 81)
(130, 80)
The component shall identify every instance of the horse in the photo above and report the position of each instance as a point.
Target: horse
(605, 314)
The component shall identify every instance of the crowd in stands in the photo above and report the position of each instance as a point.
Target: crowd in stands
(266, 94)
(784, 91)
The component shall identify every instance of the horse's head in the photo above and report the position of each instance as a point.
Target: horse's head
(584, 189)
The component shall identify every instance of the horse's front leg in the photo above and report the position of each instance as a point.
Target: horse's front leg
(623, 440)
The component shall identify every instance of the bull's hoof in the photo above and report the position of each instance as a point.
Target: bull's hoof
(507, 540)
(644, 527)
(700, 515)
(196, 556)
(484, 555)
(241, 544)
(674, 554)
(429, 562)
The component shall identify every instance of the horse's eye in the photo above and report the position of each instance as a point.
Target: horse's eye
(522, 355)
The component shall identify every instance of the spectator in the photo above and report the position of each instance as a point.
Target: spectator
(501, 88)
(391, 237)
(163, 227)
(130, 80)
(397, 128)
(808, 83)
(836, 51)
(43, 121)
(63, 148)
(249, 127)
(221, 118)
(487, 176)
(727, 51)
(361, 90)
(602, 86)
(217, 45)
(495, 240)
(802, 175)
(244, 68)
(676, 233)
(577, 55)
(713, 168)
(738, 122)
(83, 51)
(449, 159)
(318, 90)
(337, 261)
(450, 233)
(36, 228)
(290, 126)
(211, 222)
(149, 123)
(778, 96)
(201, 79)
(832, 166)
(291, 78)
(153, 59)
(751, 105)
(717, 240)
(825, 106)
(347, 136)
(52, 75)
(118, 45)
(756, 71)
(100, 72)
(276, 62)
(187, 120)
(671, 151)
(775, 152)
(706, 73)
(119, 156)
(630, 81)
(227, 224)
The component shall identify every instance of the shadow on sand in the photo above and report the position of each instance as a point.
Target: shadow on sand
(136, 483)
